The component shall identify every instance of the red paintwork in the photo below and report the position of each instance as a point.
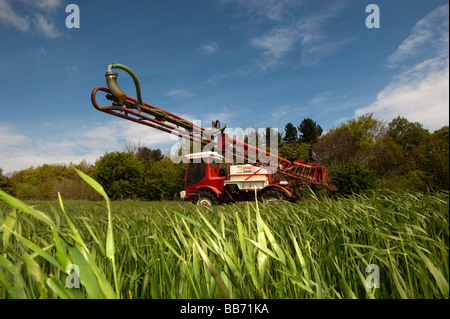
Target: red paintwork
(212, 181)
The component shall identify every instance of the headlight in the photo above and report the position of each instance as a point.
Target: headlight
(182, 194)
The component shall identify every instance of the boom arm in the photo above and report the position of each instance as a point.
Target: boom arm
(299, 171)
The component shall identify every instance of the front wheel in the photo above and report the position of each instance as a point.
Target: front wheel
(273, 197)
(207, 199)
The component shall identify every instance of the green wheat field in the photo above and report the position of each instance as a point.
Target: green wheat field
(313, 249)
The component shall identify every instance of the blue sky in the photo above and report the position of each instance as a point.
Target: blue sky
(248, 63)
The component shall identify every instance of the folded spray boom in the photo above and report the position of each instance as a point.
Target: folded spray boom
(137, 111)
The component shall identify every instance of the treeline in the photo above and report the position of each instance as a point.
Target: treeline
(138, 172)
(361, 154)
(365, 153)
(44, 182)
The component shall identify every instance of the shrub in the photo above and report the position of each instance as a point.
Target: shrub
(352, 178)
(119, 173)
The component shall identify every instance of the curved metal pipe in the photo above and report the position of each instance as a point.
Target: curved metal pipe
(112, 85)
(135, 79)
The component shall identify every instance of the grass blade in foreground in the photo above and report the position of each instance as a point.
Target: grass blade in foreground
(110, 248)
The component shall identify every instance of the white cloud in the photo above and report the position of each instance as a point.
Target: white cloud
(9, 17)
(277, 43)
(41, 21)
(223, 116)
(315, 43)
(282, 112)
(420, 92)
(208, 48)
(147, 135)
(179, 93)
(341, 120)
(45, 27)
(429, 32)
(274, 10)
(9, 138)
(42, 4)
(313, 52)
(320, 98)
(48, 4)
(19, 151)
(305, 33)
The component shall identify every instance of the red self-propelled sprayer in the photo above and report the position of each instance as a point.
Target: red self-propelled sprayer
(230, 170)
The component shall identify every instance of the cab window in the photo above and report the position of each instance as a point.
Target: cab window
(196, 172)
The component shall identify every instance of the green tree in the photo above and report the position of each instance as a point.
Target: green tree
(407, 134)
(385, 157)
(147, 155)
(309, 131)
(290, 133)
(73, 187)
(6, 184)
(365, 130)
(414, 180)
(337, 147)
(436, 157)
(415, 143)
(40, 182)
(25, 184)
(119, 173)
(163, 178)
(351, 141)
(294, 151)
(275, 135)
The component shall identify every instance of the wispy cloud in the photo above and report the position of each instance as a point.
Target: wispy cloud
(45, 27)
(420, 92)
(340, 120)
(40, 23)
(287, 112)
(315, 42)
(48, 4)
(178, 93)
(10, 18)
(41, 4)
(429, 32)
(274, 10)
(321, 98)
(277, 43)
(223, 115)
(280, 113)
(304, 39)
(9, 138)
(208, 48)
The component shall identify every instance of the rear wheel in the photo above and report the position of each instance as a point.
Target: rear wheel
(273, 197)
(207, 199)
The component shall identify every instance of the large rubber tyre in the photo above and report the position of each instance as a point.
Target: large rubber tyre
(207, 199)
(273, 197)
